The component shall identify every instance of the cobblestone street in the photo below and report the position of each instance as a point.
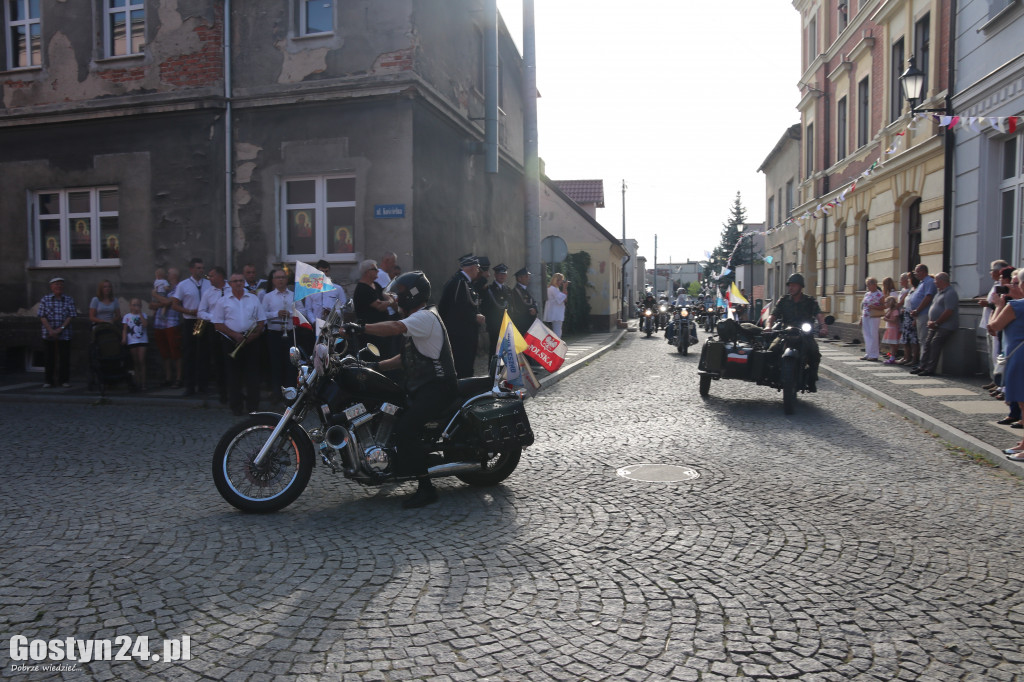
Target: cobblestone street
(841, 543)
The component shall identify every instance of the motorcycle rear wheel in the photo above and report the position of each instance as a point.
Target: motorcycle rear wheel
(705, 385)
(500, 466)
(277, 482)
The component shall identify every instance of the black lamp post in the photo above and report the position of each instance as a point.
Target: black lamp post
(912, 81)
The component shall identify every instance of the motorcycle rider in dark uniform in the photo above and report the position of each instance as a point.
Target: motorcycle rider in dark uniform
(429, 377)
(459, 308)
(494, 302)
(523, 309)
(793, 310)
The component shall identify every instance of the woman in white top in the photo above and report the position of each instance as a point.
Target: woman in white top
(554, 308)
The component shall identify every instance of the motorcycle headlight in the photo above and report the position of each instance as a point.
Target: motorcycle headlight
(647, 313)
(685, 313)
(805, 327)
(662, 308)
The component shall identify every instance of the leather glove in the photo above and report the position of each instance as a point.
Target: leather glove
(354, 328)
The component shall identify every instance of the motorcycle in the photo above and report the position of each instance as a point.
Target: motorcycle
(744, 351)
(685, 330)
(263, 463)
(664, 311)
(648, 321)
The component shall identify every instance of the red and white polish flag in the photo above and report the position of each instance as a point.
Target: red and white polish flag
(543, 346)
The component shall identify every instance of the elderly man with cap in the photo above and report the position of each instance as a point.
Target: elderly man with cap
(56, 311)
(459, 308)
(494, 302)
(523, 309)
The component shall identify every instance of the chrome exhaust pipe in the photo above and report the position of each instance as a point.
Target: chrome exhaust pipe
(453, 468)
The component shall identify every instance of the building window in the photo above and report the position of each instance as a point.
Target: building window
(318, 217)
(812, 40)
(1011, 197)
(24, 34)
(809, 150)
(316, 16)
(863, 112)
(77, 227)
(922, 40)
(771, 211)
(841, 133)
(789, 198)
(843, 15)
(840, 258)
(895, 87)
(914, 234)
(865, 249)
(125, 27)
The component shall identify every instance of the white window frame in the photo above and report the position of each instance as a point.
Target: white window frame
(66, 217)
(320, 206)
(109, 10)
(304, 15)
(9, 25)
(1015, 185)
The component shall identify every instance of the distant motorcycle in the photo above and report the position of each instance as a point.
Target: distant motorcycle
(648, 321)
(685, 332)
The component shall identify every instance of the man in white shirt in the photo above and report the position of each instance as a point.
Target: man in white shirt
(212, 296)
(429, 378)
(185, 299)
(277, 306)
(240, 318)
(253, 284)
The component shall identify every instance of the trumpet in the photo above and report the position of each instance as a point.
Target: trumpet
(199, 327)
(245, 337)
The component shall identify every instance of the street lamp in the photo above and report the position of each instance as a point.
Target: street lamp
(912, 81)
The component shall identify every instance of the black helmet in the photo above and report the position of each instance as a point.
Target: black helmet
(411, 289)
(796, 278)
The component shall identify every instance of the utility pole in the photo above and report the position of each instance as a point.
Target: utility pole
(531, 159)
(625, 301)
(655, 266)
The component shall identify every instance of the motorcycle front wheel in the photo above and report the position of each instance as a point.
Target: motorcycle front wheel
(788, 378)
(277, 481)
(499, 466)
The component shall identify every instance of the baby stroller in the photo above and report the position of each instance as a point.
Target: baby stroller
(108, 359)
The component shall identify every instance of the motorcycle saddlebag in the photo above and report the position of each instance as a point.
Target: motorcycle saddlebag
(712, 356)
(499, 423)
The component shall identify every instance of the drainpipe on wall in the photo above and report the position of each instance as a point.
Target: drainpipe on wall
(531, 180)
(949, 149)
(491, 76)
(228, 133)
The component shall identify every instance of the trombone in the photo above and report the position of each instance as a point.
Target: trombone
(245, 337)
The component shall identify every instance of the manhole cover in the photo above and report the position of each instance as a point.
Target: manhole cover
(658, 473)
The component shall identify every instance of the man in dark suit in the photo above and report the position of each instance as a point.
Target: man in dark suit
(523, 309)
(459, 309)
(494, 302)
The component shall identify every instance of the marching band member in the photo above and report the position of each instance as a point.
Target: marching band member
(212, 296)
(240, 317)
(277, 307)
(185, 299)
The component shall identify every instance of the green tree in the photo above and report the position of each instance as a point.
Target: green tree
(730, 235)
(694, 288)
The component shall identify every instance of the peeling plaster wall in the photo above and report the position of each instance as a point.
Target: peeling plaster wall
(184, 50)
(169, 193)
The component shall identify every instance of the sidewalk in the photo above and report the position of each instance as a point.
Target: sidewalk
(956, 409)
(27, 387)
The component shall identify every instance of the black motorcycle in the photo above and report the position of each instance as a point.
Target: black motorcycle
(263, 463)
(766, 357)
(685, 330)
(648, 320)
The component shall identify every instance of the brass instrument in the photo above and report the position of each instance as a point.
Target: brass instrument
(245, 337)
(199, 327)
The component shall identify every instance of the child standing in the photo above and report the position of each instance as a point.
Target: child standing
(134, 335)
(892, 328)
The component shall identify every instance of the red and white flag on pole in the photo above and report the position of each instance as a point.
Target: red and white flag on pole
(766, 312)
(543, 346)
(299, 320)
